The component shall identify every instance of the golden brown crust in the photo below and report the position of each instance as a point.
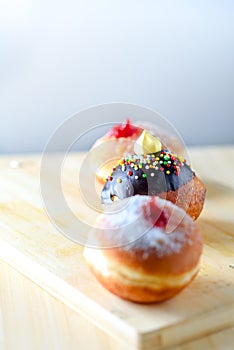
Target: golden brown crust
(138, 294)
(189, 197)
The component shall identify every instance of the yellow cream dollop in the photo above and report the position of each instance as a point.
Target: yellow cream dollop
(147, 143)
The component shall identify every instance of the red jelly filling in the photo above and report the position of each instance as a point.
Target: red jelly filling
(126, 129)
(154, 212)
(161, 220)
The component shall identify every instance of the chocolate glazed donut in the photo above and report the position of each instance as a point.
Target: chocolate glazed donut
(157, 174)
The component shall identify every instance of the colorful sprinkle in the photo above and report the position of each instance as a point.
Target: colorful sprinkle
(161, 161)
(119, 180)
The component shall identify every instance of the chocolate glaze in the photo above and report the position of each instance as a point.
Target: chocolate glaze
(128, 179)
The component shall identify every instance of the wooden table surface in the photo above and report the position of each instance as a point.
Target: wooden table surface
(33, 315)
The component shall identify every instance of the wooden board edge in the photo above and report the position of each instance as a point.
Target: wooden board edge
(94, 313)
(189, 331)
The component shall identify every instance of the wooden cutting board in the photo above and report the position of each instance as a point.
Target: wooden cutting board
(33, 246)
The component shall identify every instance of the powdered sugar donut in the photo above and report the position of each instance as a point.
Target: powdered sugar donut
(155, 266)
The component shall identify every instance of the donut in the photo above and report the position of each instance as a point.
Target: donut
(160, 173)
(154, 266)
(119, 141)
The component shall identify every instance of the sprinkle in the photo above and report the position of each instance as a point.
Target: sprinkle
(119, 180)
(152, 174)
(144, 176)
(110, 178)
(136, 177)
(163, 161)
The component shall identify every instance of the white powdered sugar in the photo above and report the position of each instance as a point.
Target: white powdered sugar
(157, 239)
(133, 228)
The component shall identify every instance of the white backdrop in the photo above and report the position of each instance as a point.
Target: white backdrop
(58, 57)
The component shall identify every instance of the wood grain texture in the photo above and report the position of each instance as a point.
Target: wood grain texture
(31, 318)
(31, 245)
